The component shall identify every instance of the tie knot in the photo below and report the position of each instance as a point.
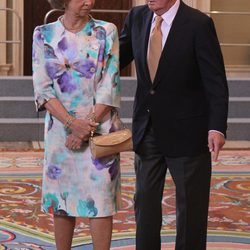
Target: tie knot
(158, 21)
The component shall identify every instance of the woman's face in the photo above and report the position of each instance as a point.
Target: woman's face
(80, 7)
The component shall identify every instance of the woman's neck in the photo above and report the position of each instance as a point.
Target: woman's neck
(74, 23)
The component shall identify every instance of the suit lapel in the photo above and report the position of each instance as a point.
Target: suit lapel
(178, 23)
(145, 38)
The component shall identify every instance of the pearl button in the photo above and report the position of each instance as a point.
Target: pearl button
(92, 70)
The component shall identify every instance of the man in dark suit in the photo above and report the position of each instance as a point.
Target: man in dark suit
(180, 115)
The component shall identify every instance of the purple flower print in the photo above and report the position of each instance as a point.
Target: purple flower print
(85, 67)
(37, 38)
(110, 162)
(112, 128)
(62, 68)
(113, 170)
(50, 122)
(101, 33)
(67, 48)
(54, 70)
(117, 123)
(54, 172)
(37, 35)
(65, 84)
(101, 53)
(63, 45)
(91, 24)
(99, 163)
(49, 52)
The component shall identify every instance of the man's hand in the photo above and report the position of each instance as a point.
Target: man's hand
(215, 143)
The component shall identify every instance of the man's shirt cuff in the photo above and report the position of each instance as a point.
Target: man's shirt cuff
(216, 132)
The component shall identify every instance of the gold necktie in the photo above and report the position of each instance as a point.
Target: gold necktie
(155, 47)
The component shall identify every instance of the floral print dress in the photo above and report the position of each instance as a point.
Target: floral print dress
(77, 69)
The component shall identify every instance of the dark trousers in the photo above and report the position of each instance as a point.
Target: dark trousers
(191, 176)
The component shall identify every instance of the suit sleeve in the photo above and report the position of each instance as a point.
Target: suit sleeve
(213, 75)
(126, 49)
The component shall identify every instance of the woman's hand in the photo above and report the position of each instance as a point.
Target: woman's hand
(82, 128)
(79, 127)
(73, 142)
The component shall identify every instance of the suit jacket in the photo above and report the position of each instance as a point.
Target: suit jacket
(189, 95)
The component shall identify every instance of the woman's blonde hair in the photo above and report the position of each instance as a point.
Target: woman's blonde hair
(58, 4)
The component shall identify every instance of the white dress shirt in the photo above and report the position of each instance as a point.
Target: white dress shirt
(168, 18)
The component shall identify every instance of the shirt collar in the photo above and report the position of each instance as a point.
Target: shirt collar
(169, 15)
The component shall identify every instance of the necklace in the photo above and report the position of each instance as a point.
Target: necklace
(80, 27)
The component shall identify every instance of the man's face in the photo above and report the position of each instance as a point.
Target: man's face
(160, 6)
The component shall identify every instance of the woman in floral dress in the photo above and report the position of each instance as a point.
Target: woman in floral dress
(75, 66)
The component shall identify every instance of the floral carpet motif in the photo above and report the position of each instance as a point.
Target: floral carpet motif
(24, 226)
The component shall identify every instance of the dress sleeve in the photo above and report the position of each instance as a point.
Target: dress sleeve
(43, 84)
(108, 88)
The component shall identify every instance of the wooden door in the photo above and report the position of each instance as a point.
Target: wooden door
(35, 11)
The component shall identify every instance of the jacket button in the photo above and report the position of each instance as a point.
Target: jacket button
(152, 92)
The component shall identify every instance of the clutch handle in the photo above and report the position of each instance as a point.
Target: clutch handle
(92, 117)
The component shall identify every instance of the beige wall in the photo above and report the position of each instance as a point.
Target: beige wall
(11, 55)
(138, 2)
(17, 35)
(231, 5)
(230, 29)
(203, 5)
(233, 29)
(4, 68)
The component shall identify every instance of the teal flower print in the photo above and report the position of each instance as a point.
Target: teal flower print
(87, 208)
(50, 203)
(48, 32)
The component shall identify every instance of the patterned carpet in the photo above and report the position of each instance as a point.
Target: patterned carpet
(23, 226)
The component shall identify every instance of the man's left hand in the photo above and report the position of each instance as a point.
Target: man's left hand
(215, 143)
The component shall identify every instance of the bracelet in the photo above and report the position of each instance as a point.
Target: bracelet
(69, 122)
(92, 116)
